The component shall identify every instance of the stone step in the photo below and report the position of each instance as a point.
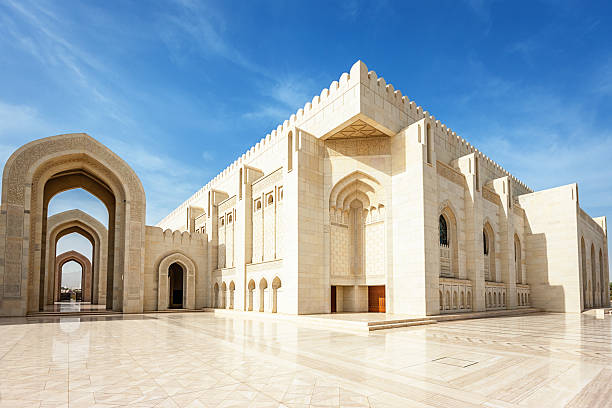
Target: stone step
(75, 313)
(394, 321)
(385, 325)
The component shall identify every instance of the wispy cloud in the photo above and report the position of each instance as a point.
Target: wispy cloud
(196, 23)
(167, 180)
(39, 34)
(542, 137)
(18, 124)
(482, 10)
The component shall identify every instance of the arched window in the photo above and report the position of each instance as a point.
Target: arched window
(443, 231)
(518, 260)
(485, 242)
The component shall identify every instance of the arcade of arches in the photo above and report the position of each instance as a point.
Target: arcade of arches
(359, 202)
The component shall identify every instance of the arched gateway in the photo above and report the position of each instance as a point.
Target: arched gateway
(33, 175)
(86, 274)
(77, 221)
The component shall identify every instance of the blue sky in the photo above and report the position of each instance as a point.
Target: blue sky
(180, 88)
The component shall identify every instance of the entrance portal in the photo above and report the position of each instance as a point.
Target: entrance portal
(376, 299)
(175, 281)
(333, 299)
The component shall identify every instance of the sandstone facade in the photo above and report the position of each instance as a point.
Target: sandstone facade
(360, 201)
(361, 192)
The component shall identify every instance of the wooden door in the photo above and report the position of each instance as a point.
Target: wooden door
(376, 299)
(333, 299)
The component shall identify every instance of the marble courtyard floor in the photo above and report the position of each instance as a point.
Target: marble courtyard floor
(199, 360)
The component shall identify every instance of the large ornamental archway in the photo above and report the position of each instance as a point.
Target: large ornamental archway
(32, 176)
(77, 221)
(86, 274)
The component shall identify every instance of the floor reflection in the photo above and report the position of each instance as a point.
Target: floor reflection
(203, 360)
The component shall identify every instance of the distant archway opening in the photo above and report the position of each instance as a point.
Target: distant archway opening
(175, 281)
(71, 283)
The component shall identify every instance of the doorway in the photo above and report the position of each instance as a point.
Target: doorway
(175, 283)
(333, 299)
(376, 299)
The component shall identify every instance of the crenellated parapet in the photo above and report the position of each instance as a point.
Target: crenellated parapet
(352, 95)
(175, 238)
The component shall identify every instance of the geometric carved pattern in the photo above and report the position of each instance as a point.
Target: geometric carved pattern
(357, 129)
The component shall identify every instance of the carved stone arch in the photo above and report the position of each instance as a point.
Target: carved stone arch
(32, 176)
(449, 256)
(251, 288)
(489, 247)
(224, 301)
(360, 181)
(518, 259)
(351, 201)
(232, 288)
(189, 273)
(215, 297)
(263, 290)
(86, 272)
(64, 223)
(276, 284)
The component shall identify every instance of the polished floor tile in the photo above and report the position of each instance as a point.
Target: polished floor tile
(203, 360)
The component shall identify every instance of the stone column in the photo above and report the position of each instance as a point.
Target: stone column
(416, 263)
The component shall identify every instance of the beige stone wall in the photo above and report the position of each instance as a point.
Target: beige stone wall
(162, 244)
(552, 256)
(362, 125)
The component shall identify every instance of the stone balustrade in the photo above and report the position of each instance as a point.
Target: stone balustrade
(455, 295)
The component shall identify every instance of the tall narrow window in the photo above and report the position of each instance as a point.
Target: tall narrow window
(443, 231)
(429, 144)
(485, 243)
(240, 186)
(477, 173)
(289, 151)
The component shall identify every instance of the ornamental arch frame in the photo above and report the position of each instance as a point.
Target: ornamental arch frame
(34, 174)
(86, 273)
(447, 211)
(79, 222)
(189, 273)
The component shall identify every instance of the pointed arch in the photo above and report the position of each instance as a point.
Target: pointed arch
(163, 284)
(86, 272)
(251, 288)
(518, 259)
(488, 238)
(263, 289)
(232, 288)
(448, 241)
(37, 172)
(356, 202)
(77, 221)
(356, 185)
(216, 295)
(276, 285)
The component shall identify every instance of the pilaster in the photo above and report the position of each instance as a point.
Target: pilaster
(468, 165)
